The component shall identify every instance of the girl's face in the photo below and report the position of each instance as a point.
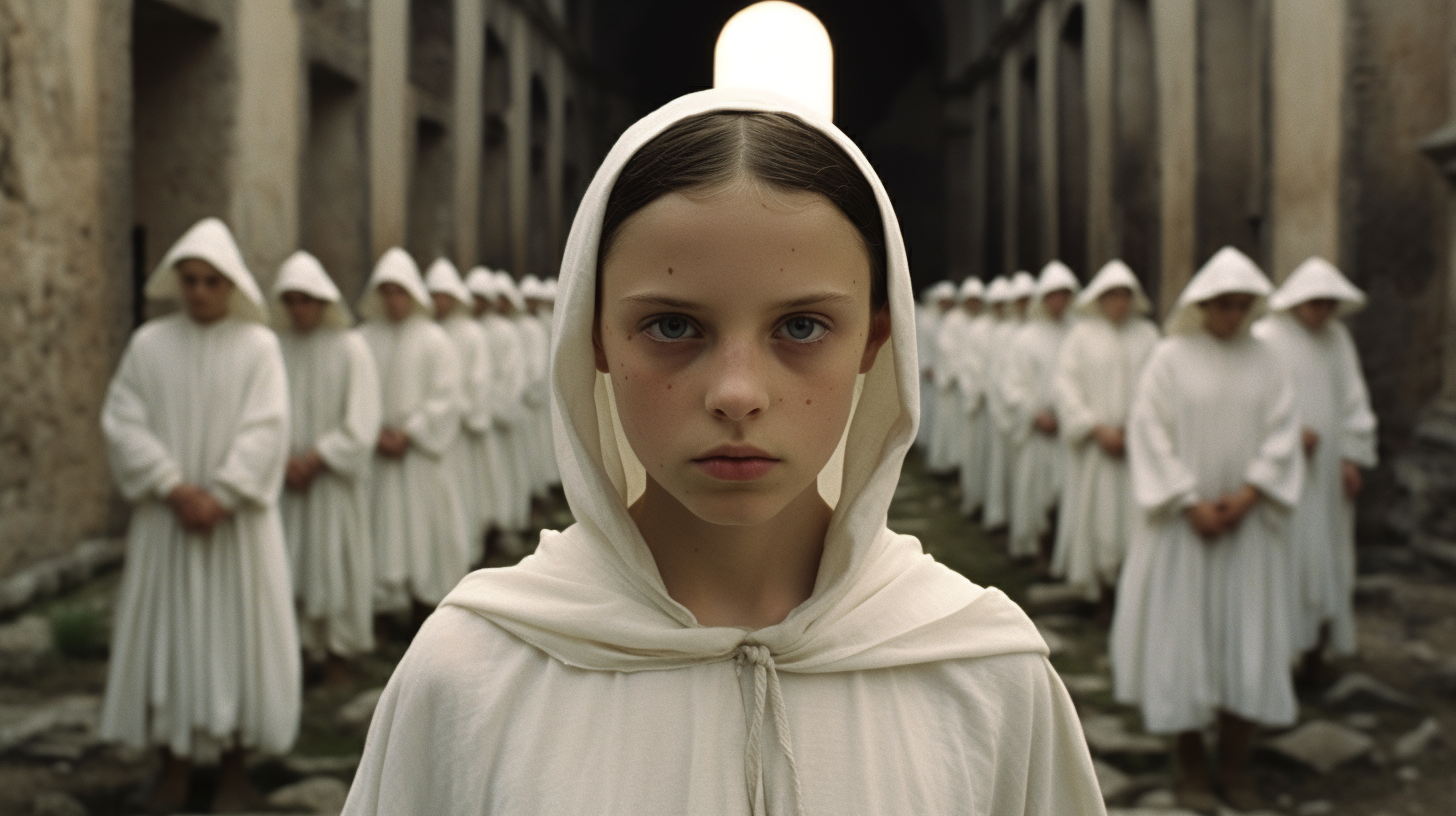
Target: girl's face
(398, 304)
(444, 304)
(305, 311)
(733, 323)
(1116, 304)
(205, 290)
(1224, 315)
(1314, 314)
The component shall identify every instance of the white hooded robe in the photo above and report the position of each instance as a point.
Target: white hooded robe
(334, 409)
(1039, 459)
(1330, 398)
(420, 548)
(572, 683)
(1098, 367)
(205, 651)
(512, 372)
(1204, 626)
(466, 458)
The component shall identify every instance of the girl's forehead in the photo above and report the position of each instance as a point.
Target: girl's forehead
(737, 247)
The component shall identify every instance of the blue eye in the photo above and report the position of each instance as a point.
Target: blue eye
(670, 327)
(803, 329)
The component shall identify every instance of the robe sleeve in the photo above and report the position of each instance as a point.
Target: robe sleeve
(252, 472)
(1278, 468)
(434, 424)
(141, 464)
(1074, 415)
(349, 449)
(1160, 480)
(1358, 421)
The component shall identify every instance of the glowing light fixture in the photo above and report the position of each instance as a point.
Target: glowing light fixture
(781, 47)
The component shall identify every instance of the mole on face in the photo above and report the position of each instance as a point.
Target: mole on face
(669, 270)
(808, 402)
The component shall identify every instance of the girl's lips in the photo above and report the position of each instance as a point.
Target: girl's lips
(736, 468)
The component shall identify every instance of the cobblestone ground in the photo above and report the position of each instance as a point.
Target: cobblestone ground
(1380, 742)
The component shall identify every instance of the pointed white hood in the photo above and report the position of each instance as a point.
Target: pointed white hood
(971, 288)
(592, 596)
(1228, 271)
(1023, 285)
(481, 282)
(1055, 277)
(1315, 279)
(506, 287)
(210, 240)
(1114, 274)
(302, 272)
(999, 290)
(444, 278)
(395, 266)
(940, 290)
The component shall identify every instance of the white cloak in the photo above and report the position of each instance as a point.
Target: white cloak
(1205, 626)
(1330, 398)
(334, 397)
(469, 456)
(998, 449)
(976, 417)
(420, 550)
(946, 438)
(1038, 459)
(573, 683)
(508, 415)
(205, 650)
(1096, 371)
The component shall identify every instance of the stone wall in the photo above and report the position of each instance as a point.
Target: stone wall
(62, 288)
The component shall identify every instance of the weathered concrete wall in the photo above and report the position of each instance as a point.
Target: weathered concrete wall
(61, 288)
(1175, 60)
(1135, 184)
(391, 123)
(1230, 93)
(1307, 80)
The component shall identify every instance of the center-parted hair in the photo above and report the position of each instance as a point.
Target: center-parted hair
(777, 149)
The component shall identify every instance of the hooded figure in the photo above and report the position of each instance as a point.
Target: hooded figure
(205, 651)
(970, 358)
(1039, 458)
(509, 368)
(420, 548)
(466, 458)
(936, 303)
(1333, 406)
(1202, 625)
(997, 465)
(897, 686)
(531, 450)
(1099, 365)
(334, 400)
(944, 454)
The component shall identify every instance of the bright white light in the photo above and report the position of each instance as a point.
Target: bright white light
(777, 46)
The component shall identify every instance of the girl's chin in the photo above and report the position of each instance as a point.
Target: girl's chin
(739, 508)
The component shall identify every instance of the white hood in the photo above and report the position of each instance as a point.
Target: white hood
(481, 282)
(592, 596)
(1023, 285)
(971, 288)
(1114, 274)
(1055, 277)
(999, 290)
(302, 272)
(1228, 271)
(210, 240)
(444, 278)
(506, 287)
(1314, 279)
(940, 290)
(395, 266)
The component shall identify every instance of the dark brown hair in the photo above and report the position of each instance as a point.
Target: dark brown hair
(778, 149)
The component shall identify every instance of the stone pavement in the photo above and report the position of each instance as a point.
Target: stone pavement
(1380, 742)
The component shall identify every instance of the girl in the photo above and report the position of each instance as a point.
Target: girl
(1201, 629)
(1338, 430)
(729, 627)
(1099, 364)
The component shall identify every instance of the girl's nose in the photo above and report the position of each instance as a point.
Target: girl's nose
(738, 390)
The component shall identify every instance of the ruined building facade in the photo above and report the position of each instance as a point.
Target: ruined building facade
(458, 128)
(1017, 131)
(1158, 131)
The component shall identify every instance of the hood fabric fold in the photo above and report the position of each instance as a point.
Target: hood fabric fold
(1229, 271)
(1316, 279)
(592, 596)
(302, 272)
(210, 240)
(395, 266)
(1112, 275)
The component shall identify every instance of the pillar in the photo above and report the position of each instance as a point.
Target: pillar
(1048, 31)
(391, 123)
(518, 134)
(1175, 46)
(1103, 240)
(468, 125)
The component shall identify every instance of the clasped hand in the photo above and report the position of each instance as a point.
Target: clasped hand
(1110, 439)
(302, 470)
(197, 510)
(1212, 519)
(1046, 422)
(393, 443)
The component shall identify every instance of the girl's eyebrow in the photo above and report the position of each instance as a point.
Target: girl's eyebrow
(813, 299)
